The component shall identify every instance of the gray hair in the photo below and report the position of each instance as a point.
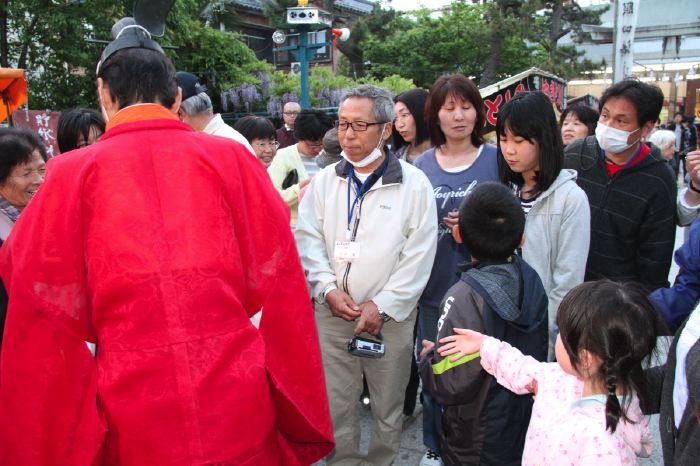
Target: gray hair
(383, 109)
(662, 138)
(197, 105)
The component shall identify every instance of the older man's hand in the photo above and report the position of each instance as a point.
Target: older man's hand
(369, 320)
(342, 305)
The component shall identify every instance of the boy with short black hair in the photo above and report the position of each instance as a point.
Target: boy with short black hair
(500, 295)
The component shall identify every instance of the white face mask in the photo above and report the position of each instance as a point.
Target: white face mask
(613, 140)
(372, 157)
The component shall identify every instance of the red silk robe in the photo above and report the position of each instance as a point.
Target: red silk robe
(158, 244)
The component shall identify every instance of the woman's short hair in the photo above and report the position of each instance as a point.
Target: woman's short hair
(312, 125)
(530, 115)
(456, 85)
(74, 123)
(16, 147)
(414, 100)
(584, 114)
(255, 127)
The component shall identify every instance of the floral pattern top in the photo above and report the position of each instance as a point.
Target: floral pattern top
(566, 428)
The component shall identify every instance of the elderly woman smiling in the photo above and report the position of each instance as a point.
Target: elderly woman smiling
(22, 167)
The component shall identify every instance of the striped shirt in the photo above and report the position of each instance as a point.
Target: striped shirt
(525, 203)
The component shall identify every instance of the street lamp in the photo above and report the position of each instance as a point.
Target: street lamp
(305, 19)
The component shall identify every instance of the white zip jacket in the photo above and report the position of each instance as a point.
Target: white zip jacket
(394, 223)
(557, 238)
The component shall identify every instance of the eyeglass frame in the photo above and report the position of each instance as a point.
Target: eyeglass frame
(264, 145)
(351, 124)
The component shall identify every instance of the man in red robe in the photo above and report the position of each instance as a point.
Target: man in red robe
(132, 276)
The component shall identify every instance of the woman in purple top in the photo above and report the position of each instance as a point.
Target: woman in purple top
(455, 117)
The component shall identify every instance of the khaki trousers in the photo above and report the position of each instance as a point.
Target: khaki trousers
(386, 379)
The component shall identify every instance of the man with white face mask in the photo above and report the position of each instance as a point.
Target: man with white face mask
(367, 237)
(630, 187)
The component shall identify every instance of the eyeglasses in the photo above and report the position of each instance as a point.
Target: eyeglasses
(291, 113)
(356, 125)
(274, 145)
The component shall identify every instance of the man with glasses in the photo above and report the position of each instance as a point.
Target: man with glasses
(294, 166)
(285, 134)
(367, 237)
(196, 110)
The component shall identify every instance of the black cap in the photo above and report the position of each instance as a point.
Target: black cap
(127, 35)
(149, 20)
(189, 84)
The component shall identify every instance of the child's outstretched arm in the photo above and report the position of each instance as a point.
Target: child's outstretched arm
(515, 371)
(466, 342)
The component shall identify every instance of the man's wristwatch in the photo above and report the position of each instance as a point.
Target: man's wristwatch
(382, 315)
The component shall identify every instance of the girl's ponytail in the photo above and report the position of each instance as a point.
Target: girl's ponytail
(613, 410)
(617, 323)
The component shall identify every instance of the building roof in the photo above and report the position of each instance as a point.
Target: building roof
(658, 21)
(255, 5)
(357, 6)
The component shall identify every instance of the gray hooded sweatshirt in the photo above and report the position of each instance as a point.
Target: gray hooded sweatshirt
(557, 237)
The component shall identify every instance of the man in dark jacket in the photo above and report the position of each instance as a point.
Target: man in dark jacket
(686, 134)
(285, 134)
(630, 188)
(501, 296)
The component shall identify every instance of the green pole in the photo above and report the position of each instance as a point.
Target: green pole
(303, 56)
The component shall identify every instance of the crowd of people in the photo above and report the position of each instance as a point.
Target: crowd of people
(180, 291)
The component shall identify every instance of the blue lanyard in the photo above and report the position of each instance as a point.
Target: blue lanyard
(360, 191)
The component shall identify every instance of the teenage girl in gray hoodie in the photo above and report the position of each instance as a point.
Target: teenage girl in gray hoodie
(557, 225)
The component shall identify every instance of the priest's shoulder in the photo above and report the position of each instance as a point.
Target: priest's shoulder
(223, 142)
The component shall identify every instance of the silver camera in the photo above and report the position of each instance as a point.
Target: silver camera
(366, 348)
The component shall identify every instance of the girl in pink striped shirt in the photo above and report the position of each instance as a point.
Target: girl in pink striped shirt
(587, 410)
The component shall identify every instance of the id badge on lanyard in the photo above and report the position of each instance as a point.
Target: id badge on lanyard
(347, 250)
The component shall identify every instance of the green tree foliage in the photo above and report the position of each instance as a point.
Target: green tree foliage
(558, 19)
(423, 48)
(49, 39)
(220, 59)
(488, 42)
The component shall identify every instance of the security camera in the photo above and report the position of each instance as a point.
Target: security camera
(314, 16)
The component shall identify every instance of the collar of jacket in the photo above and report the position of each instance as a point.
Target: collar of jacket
(140, 112)
(591, 141)
(392, 174)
